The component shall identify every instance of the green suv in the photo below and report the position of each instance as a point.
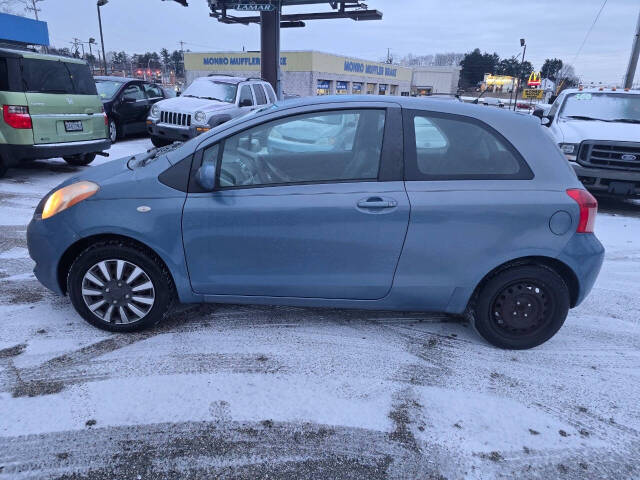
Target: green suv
(50, 108)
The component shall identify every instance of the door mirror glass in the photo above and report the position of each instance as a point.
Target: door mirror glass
(538, 112)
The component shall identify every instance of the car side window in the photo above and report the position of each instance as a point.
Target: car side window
(153, 91)
(270, 93)
(332, 146)
(245, 96)
(453, 147)
(133, 91)
(261, 98)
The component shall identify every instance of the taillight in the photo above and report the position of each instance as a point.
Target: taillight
(588, 209)
(106, 120)
(16, 116)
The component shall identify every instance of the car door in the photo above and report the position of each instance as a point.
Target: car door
(303, 223)
(132, 107)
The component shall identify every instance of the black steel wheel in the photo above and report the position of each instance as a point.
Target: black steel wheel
(521, 307)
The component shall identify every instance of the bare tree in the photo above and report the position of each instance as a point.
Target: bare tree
(566, 78)
(18, 6)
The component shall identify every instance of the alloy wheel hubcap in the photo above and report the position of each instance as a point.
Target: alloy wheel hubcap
(112, 131)
(521, 308)
(118, 291)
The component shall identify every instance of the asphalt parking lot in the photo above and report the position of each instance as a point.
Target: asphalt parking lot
(281, 393)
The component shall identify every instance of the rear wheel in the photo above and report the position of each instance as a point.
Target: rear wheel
(119, 287)
(80, 160)
(522, 307)
(159, 142)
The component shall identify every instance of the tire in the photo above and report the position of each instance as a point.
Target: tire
(521, 307)
(146, 304)
(114, 131)
(159, 142)
(80, 160)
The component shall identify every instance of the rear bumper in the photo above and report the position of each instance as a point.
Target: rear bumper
(584, 254)
(599, 180)
(14, 154)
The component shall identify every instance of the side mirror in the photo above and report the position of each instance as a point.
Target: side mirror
(206, 177)
(538, 112)
(246, 102)
(545, 121)
(178, 94)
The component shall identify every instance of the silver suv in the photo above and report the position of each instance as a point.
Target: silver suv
(205, 104)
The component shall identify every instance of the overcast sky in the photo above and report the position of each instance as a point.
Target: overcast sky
(552, 28)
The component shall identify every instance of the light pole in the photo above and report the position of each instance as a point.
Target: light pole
(104, 56)
(524, 50)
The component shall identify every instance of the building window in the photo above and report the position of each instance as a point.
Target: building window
(394, 89)
(356, 88)
(324, 87)
(371, 88)
(342, 88)
(382, 90)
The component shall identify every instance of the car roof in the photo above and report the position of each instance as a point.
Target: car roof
(10, 52)
(601, 90)
(110, 78)
(229, 79)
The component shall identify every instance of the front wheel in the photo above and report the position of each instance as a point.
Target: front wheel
(119, 287)
(80, 160)
(521, 307)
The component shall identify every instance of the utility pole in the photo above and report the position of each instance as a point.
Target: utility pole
(182, 52)
(33, 8)
(523, 44)
(101, 3)
(633, 60)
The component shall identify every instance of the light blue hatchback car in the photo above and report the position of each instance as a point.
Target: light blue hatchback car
(428, 205)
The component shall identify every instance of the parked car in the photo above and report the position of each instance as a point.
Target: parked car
(599, 132)
(487, 220)
(50, 108)
(205, 104)
(127, 102)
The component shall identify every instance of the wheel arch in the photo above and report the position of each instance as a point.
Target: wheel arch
(72, 252)
(566, 273)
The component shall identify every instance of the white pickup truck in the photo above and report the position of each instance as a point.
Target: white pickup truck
(599, 132)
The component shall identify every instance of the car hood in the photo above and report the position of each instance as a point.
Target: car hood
(575, 131)
(192, 105)
(116, 180)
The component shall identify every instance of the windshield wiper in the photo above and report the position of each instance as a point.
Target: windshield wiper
(583, 117)
(211, 98)
(625, 120)
(151, 154)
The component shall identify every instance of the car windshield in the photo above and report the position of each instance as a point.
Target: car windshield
(610, 107)
(107, 88)
(212, 90)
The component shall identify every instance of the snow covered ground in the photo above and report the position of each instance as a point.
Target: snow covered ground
(290, 393)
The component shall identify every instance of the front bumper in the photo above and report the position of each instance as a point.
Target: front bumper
(14, 154)
(47, 240)
(602, 180)
(171, 132)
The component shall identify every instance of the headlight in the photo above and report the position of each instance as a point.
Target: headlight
(569, 149)
(67, 197)
(155, 111)
(200, 117)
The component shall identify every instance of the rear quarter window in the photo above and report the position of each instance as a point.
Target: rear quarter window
(83, 82)
(455, 147)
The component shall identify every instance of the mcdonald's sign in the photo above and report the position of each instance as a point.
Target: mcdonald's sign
(534, 79)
